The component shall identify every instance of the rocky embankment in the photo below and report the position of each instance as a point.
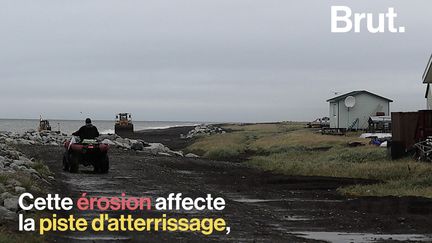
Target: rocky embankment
(203, 130)
(32, 137)
(51, 138)
(18, 174)
(138, 145)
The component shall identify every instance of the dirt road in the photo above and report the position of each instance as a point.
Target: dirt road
(260, 206)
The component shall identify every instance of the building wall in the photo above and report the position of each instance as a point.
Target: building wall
(429, 99)
(366, 106)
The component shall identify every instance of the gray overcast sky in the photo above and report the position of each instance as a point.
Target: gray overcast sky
(202, 60)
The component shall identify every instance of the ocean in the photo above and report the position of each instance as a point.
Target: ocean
(70, 126)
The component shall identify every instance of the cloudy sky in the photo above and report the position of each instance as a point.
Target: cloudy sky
(202, 60)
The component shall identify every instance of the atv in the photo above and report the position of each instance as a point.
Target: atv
(87, 152)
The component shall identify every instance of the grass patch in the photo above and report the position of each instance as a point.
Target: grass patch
(290, 149)
(42, 169)
(237, 143)
(228, 146)
(27, 182)
(409, 187)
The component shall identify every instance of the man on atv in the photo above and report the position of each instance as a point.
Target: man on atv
(88, 131)
(87, 151)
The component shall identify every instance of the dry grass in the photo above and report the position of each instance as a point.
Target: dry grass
(290, 149)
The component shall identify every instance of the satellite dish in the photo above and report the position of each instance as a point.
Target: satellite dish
(350, 101)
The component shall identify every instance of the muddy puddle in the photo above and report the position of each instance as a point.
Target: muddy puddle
(113, 238)
(257, 200)
(341, 237)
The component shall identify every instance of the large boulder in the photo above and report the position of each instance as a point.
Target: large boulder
(191, 155)
(11, 203)
(137, 146)
(156, 148)
(20, 189)
(7, 214)
(5, 195)
(107, 141)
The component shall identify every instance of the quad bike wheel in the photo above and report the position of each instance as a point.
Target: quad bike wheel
(104, 164)
(74, 164)
(66, 166)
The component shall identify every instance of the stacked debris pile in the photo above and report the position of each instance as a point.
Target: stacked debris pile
(204, 130)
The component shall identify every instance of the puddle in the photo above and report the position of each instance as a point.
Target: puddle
(124, 177)
(256, 200)
(98, 238)
(340, 237)
(296, 218)
(250, 200)
(102, 193)
(186, 172)
(89, 182)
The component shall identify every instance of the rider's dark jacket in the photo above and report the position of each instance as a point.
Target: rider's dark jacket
(87, 132)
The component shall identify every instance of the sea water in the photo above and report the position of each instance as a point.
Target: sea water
(69, 126)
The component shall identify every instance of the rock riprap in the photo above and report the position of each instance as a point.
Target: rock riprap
(33, 137)
(138, 145)
(204, 130)
(52, 138)
(17, 175)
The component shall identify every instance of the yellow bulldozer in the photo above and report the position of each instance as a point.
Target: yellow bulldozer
(44, 125)
(123, 125)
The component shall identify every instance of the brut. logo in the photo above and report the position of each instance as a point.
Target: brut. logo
(343, 20)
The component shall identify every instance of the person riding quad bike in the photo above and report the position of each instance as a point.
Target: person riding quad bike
(88, 151)
(88, 131)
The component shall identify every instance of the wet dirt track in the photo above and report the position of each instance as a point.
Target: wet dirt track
(261, 207)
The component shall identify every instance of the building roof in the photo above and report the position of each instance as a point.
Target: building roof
(427, 75)
(353, 93)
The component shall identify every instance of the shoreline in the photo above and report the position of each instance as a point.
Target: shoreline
(69, 126)
(170, 137)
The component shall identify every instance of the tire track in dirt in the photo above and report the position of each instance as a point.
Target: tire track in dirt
(261, 207)
(139, 174)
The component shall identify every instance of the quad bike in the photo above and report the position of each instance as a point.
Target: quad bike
(87, 152)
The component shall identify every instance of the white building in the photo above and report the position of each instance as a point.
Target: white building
(427, 79)
(365, 104)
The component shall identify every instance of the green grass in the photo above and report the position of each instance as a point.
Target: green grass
(290, 149)
(220, 147)
(407, 187)
(43, 170)
(237, 143)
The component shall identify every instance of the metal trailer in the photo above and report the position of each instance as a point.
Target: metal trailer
(404, 126)
(411, 132)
